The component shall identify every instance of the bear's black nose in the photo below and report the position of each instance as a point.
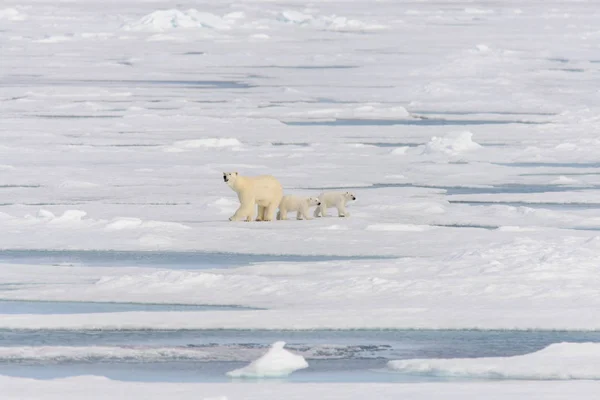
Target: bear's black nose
(319, 203)
(353, 198)
(224, 178)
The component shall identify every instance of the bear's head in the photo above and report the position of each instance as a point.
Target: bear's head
(230, 177)
(313, 201)
(349, 196)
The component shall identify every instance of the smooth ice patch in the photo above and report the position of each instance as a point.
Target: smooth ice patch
(187, 145)
(275, 363)
(560, 361)
(399, 227)
(69, 184)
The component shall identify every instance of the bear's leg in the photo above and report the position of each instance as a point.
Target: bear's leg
(245, 211)
(282, 214)
(261, 213)
(303, 214)
(341, 207)
(270, 211)
(323, 210)
(317, 212)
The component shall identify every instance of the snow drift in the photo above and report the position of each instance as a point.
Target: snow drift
(560, 361)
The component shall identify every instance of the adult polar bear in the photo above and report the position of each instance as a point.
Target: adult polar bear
(264, 191)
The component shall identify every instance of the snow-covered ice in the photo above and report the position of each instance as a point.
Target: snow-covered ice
(561, 361)
(92, 387)
(276, 362)
(468, 131)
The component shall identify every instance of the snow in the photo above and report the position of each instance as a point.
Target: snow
(452, 143)
(163, 20)
(468, 131)
(93, 387)
(328, 22)
(276, 362)
(560, 361)
(11, 14)
(186, 145)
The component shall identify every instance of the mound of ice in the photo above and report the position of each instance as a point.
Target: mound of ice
(276, 362)
(343, 24)
(332, 23)
(163, 20)
(184, 145)
(451, 144)
(45, 215)
(558, 361)
(123, 223)
(295, 17)
(224, 205)
(68, 217)
(12, 14)
(563, 180)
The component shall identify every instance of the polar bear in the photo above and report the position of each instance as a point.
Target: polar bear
(298, 204)
(264, 191)
(334, 199)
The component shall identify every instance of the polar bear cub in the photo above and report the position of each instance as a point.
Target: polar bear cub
(334, 199)
(297, 204)
(264, 191)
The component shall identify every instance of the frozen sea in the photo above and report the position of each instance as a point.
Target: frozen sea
(467, 130)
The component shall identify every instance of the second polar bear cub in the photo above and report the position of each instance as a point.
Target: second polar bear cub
(298, 204)
(334, 199)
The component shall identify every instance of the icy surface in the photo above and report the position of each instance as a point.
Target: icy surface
(561, 361)
(93, 387)
(276, 362)
(471, 143)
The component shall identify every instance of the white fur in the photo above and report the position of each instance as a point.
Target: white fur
(334, 199)
(297, 204)
(264, 191)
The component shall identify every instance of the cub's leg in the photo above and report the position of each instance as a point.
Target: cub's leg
(303, 214)
(341, 207)
(282, 214)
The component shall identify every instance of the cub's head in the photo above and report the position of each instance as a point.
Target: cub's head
(349, 196)
(230, 177)
(313, 201)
